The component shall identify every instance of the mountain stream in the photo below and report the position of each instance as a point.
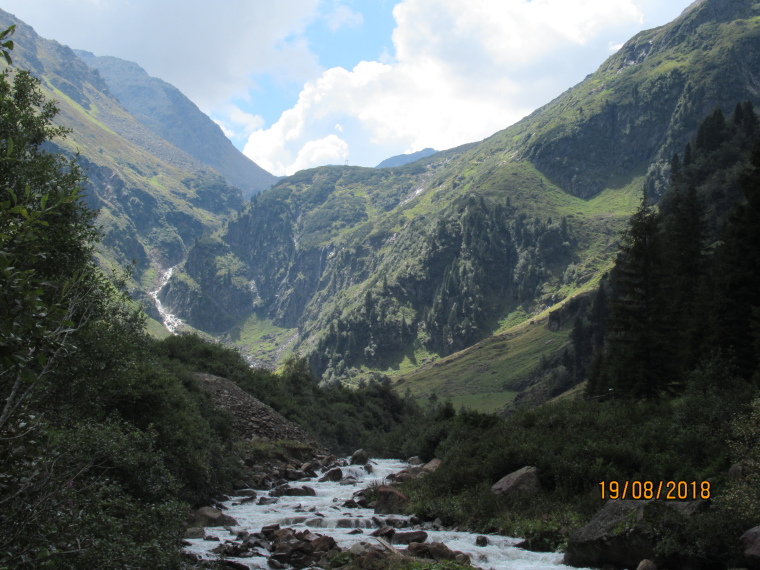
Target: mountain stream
(323, 514)
(170, 321)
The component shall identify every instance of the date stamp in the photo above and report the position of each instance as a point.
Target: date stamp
(646, 490)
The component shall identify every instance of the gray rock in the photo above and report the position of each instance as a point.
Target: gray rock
(360, 457)
(523, 480)
(416, 460)
(621, 533)
(481, 541)
(646, 565)
(334, 474)
(410, 537)
(209, 516)
(749, 544)
(195, 532)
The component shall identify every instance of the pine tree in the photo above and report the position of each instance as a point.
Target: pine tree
(638, 360)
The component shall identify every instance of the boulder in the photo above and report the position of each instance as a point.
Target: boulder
(416, 460)
(410, 537)
(621, 533)
(386, 532)
(360, 457)
(209, 516)
(332, 475)
(389, 501)
(288, 491)
(481, 541)
(646, 565)
(523, 480)
(267, 500)
(432, 465)
(436, 551)
(749, 545)
(195, 532)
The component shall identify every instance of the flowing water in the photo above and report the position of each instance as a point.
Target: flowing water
(323, 514)
(170, 321)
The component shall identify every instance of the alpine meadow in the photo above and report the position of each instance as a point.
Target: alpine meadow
(540, 350)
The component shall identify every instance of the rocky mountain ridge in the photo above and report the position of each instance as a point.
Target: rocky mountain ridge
(381, 271)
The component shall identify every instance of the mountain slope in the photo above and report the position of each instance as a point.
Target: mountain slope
(153, 199)
(166, 111)
(402, 159)
(382, 271)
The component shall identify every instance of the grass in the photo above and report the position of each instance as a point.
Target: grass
(257, 336)
(486, 376)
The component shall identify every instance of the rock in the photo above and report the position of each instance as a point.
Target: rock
(432, 465)
(350, 504)
(295, 475)
(368, 467)
(407, 474)
(646, 565)
(240, 484)
(360, 457)
(481, 541)
(435, 551)
(523, 480)
(356, 531)
(267, 500)
(415, 461)
(323, 543)
(250, 493)
(621, 533)
(386, 532)
(410, 537)
(332, 475)
(288, 491)
(194, 532)
(389, 501)
(235, 565)
(209, 516)
(749, 545)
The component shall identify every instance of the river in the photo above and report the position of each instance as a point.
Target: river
(324, 515)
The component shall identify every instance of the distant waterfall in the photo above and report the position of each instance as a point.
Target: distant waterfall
(170, 321)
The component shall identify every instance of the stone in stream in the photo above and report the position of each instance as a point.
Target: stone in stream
(389, 501)
(209, 516)
(386, 532)
(410, 537)
(288, 491)
(436, 551)
(267, 500)
(481, 541)
(360, 457)
(334, 475)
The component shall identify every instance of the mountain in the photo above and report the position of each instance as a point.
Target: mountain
(371, 271)
(154, 200)
(163, 108)
(402, 159)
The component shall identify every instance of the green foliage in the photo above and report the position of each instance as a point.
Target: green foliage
(100, 442)
(340, 418)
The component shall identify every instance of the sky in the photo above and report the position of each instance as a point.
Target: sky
(302, 83)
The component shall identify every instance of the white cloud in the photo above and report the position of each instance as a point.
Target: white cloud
(342, 16)
(208, 51)
(462, 70)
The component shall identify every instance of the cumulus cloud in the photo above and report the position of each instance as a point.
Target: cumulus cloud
(461, 71)
(208, 51)
(343, 15)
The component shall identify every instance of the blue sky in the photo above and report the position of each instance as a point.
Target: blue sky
(301, 83)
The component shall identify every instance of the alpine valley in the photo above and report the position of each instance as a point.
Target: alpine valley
(589, 273)
(440, 274)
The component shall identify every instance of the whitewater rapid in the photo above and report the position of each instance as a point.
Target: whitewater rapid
(323, 514)
(170, 321)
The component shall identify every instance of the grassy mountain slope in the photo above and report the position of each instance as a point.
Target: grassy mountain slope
(390, 269)
(166, 111)
(153, 199)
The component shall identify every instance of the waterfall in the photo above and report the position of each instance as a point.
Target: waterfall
(170, 321)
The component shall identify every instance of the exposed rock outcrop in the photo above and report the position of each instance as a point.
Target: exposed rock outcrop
(523, 480)
(749, 544)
